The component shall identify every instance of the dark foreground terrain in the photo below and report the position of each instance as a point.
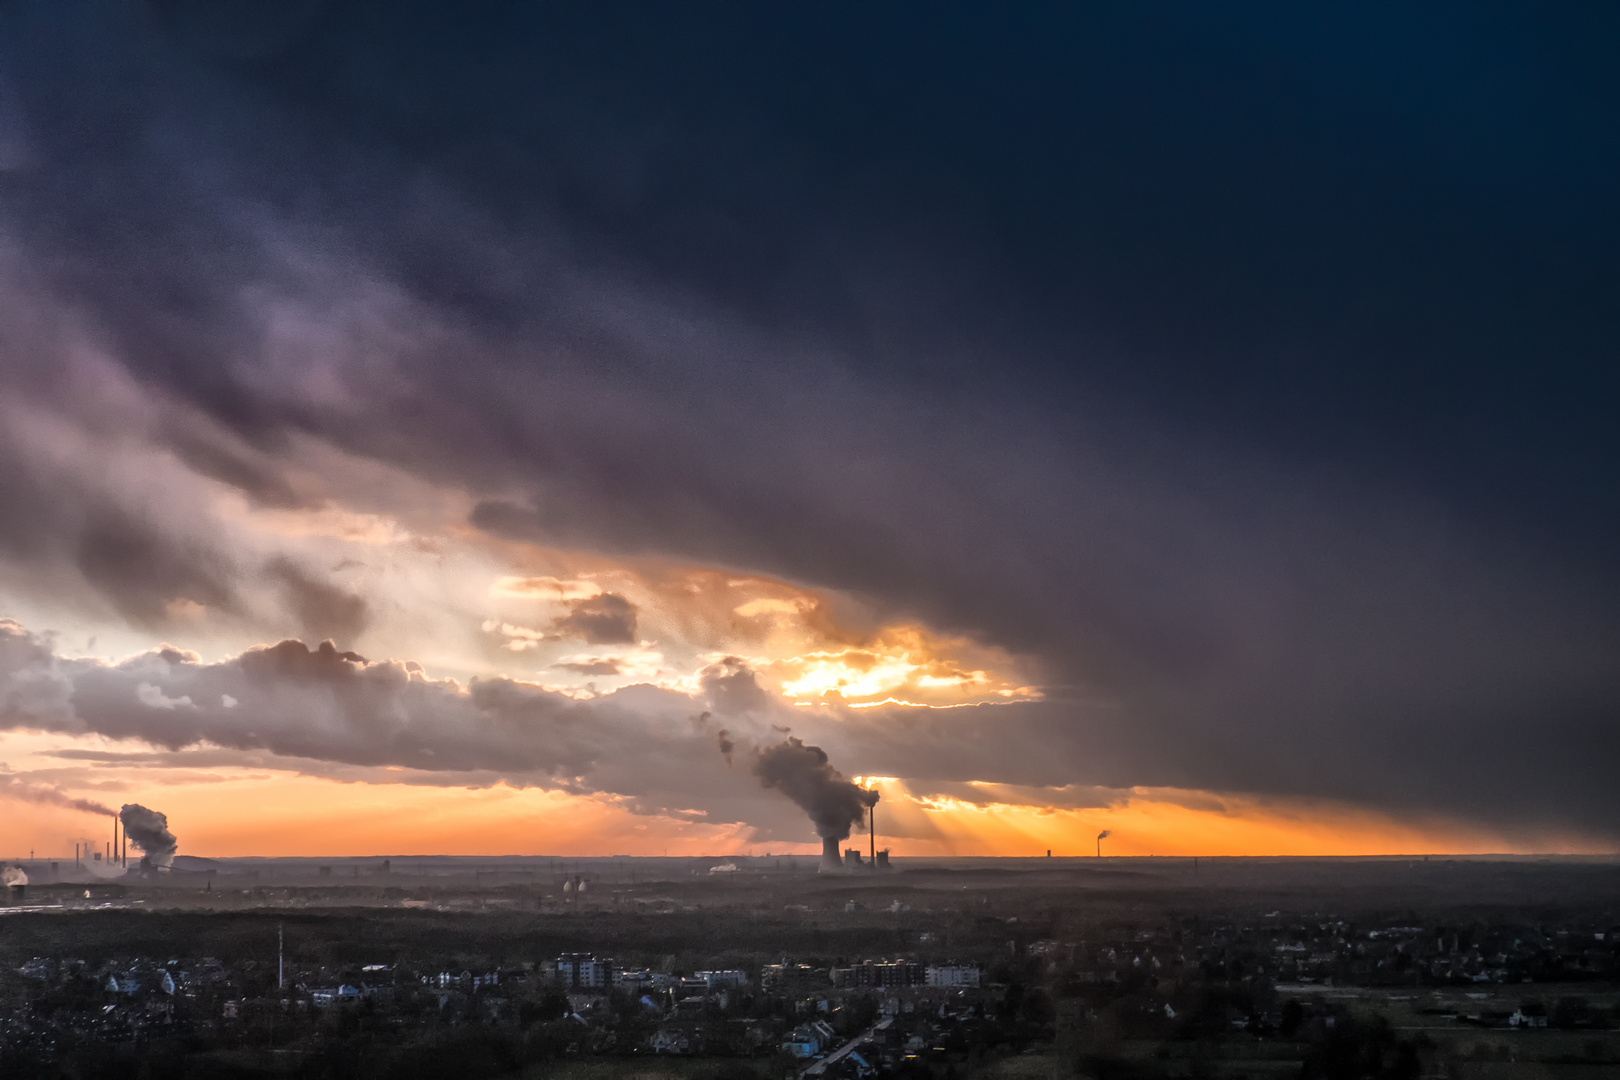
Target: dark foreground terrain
(1469, 968)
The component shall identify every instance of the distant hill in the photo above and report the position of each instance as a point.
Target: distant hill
(194, 863)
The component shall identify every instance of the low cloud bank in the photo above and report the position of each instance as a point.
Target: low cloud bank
(328, 712)
(650, 747)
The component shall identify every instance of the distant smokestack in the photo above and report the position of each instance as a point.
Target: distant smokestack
(830, 862)
(16, 882)
(150, 831)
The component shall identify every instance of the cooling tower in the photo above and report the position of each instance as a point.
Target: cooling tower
(830, 861)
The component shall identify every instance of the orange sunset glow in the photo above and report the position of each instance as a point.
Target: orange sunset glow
(271, 812)
(585, 633)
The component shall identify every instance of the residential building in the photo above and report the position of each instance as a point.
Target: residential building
(953, 976)
(578, 971)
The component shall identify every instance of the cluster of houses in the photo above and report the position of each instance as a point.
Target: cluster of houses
(901, 1006)
(693, 1011)
(1338, 953)
(582, 971)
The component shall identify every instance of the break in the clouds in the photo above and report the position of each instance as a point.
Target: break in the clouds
(1253, 389)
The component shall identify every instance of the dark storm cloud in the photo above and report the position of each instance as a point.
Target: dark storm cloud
(142, 570)
(1250, 371)
(58, 523)
(253, 474)
(323, 610)
(605, 619)
(731, 687)
(94, 527)
(105, 486)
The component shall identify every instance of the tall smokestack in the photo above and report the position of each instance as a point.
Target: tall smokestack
(830, 861)
(871, 829)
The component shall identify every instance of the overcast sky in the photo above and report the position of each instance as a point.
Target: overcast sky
(1049, 411)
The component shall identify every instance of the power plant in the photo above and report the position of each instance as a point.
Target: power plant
(830, 862)
(834, 804)
(852, 862)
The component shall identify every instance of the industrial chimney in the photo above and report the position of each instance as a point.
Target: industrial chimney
(831, 863)
(16, 883)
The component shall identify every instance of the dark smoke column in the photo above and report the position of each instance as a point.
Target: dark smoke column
(149, 831)
(803, 774)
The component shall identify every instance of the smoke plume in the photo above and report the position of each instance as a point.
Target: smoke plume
(14, 787)
(803, 774)
(13, 876)
(149, 831)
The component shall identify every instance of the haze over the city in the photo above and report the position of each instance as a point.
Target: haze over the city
(580, 430)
